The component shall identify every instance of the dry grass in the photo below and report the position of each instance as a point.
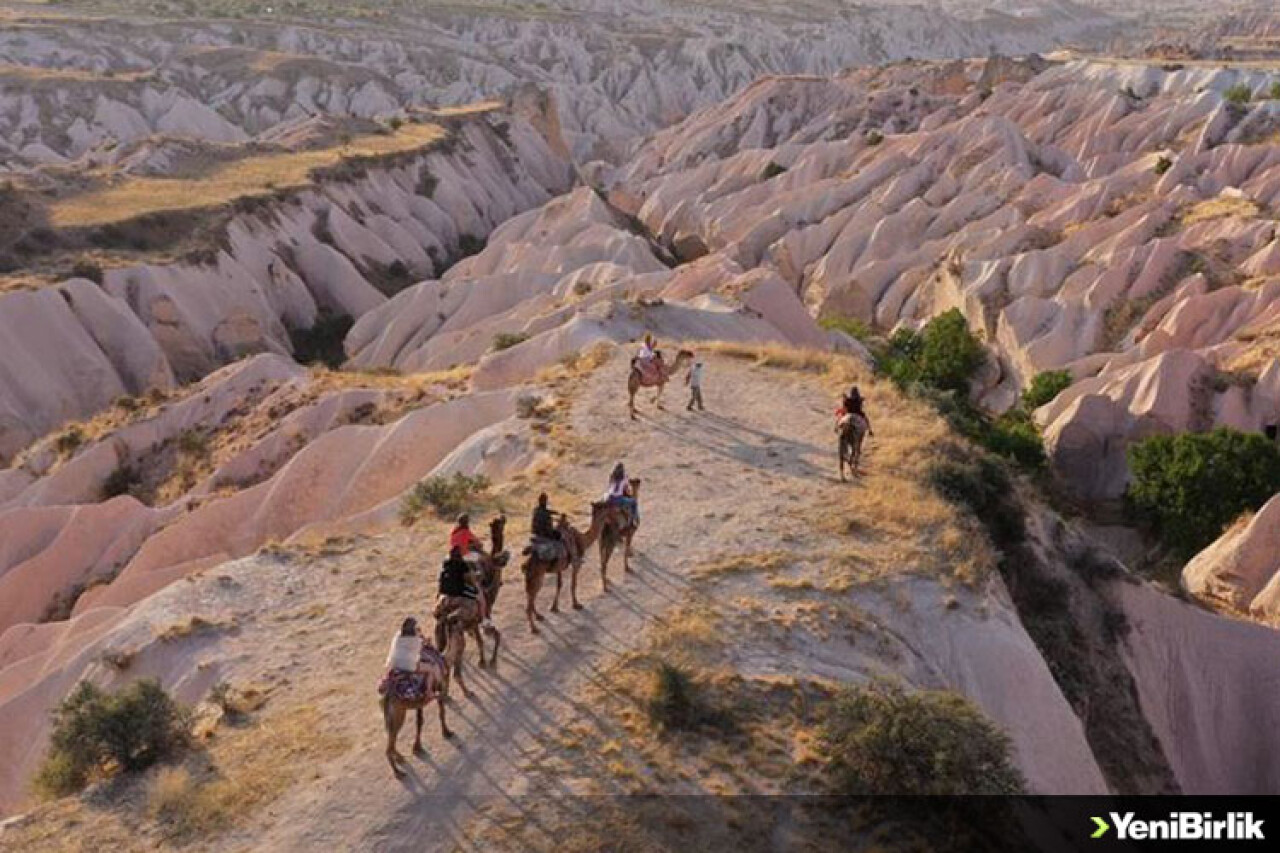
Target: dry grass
(736, 563)
(251, 176)
(191, 626)
(1217, 208)
(223, 788)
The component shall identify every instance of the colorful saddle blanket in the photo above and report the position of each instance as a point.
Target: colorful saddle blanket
(414, 686)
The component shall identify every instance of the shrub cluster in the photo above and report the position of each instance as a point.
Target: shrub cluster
(881, 739)
(95, 732)
(506, 340)
(938, 364)
(1189, 487)
(445, 496)
(323, 342)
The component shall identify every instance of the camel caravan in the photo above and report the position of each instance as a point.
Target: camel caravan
(419, 671)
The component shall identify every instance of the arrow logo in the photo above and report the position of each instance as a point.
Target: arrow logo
(1102, 828)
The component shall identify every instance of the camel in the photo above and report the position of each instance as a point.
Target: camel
(852, 429)
(536, 569)
(490, 583)
(618, 530)
(438, 670)
(664, 374)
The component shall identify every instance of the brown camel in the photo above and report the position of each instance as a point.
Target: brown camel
(394, 709)
(852, 429)
(618, 530)
(659, 379)
(536, 569)
(489, 583)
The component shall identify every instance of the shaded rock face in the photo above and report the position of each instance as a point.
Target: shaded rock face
(1241, 570)
(73, 348)
(665, 60)
(1106, 219)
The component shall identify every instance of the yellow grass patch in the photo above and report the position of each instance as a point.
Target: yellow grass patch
(1217, 208)
(258, 175)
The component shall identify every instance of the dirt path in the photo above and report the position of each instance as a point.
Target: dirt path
(715, 485)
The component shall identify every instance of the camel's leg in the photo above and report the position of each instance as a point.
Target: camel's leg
(476, 632)
(840, 457)
(626, 552)
(606, 551)
(417, 735)
(393, 713)
(555, 602)
(457, 673)
(657, 398)
(573, 585)
(444, 726)
(532, 583)
(497, 642)
(440, 637)
(632, 388)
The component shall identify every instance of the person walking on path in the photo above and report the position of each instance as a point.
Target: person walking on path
(694, 380)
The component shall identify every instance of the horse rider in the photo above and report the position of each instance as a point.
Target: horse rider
(852, 405)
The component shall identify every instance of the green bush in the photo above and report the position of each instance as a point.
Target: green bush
(1046, 385)
(983, 487)
(945, 355)
(1163, 164)
(772, 170)
(1274, 91)
(124, 480)
(1239, 94)
(446, 496)
(323, 342)
(874, 137)
(95, 732)
(950, 355)
(881, 739)
(506, 340)
(1189, 487)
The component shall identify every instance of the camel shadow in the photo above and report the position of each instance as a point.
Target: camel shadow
(728, 439)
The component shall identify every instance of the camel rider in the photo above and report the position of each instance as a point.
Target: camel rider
(619, 492)
(543, 525)
(456, 585)
(463, 539)
(405, 654)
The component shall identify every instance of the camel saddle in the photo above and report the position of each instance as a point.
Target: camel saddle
(467, 608)
(414, 686)
(650, 370)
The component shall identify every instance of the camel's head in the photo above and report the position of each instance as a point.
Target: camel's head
(684, 354)
(498, 524)
(635, 486)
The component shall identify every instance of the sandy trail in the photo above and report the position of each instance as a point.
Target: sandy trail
(715, 485)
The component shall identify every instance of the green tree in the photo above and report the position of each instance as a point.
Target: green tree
(1045, 387)
(1189, 487)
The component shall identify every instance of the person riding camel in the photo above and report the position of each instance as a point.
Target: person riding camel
(405, 654)
(544, 529)
(648, 356)
(463, 539)
(456, 588)
(543, 525)
(472, 549)
(619, 492)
